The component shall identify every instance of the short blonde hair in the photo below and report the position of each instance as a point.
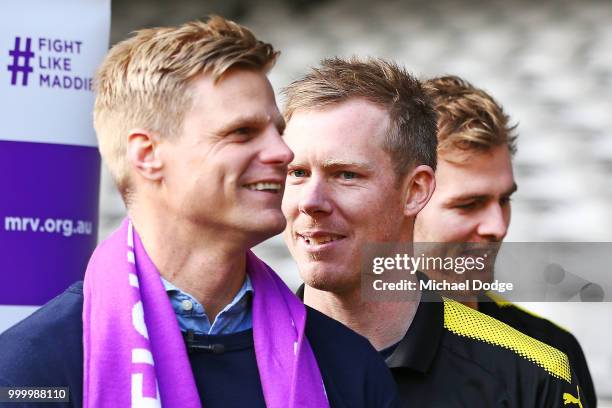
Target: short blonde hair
(411, 137)
(144, 81)
(469, 119)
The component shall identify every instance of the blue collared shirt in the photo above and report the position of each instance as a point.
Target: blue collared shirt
(234, 317)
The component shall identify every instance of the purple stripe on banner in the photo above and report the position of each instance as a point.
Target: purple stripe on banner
(48, 218)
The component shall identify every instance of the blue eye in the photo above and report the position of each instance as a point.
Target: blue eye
(298, 173)
(348, 175)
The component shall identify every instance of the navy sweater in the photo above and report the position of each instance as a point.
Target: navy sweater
(46, 350)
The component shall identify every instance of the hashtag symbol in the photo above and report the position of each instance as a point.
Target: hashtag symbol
(18, 56)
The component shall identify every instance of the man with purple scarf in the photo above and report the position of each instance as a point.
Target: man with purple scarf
(175, 310)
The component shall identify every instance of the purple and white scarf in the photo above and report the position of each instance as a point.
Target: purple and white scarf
(134, 353)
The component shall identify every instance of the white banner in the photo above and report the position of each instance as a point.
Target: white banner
(50, 51)
(49, 163)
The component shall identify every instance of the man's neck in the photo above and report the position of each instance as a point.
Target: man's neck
(468, 299)
(471, 303)
(382, 323)
(210, 267)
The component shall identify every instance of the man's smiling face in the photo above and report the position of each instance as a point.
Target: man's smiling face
(341, 191)
(226, 170)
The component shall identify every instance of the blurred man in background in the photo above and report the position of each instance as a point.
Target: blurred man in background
(364, 138)
(471, 203)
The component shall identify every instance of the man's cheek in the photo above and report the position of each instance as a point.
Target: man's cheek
(289, 201)
(463, 232)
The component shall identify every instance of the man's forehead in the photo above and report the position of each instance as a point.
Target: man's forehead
(482, 154)
(341, 124)
(482, 174)
(328, 152)
(239, 97)
(351, 112)
(235, 86)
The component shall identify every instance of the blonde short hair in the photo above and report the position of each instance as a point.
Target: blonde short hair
(469, 119)
(411, 137)
(144, 81)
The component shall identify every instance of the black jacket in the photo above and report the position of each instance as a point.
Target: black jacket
(46, 350)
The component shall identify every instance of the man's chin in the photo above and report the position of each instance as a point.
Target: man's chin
(328, 281)
(270, 223)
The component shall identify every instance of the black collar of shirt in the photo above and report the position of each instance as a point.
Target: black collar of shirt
(300, 292)
(487, 305)
(419, 346)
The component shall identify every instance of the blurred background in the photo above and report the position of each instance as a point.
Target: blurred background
(549, 63)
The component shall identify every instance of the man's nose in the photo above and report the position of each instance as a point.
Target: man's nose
(494, 223)
(314, 198)
(275, 150)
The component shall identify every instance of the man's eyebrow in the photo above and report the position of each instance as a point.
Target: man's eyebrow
(339, 163)
(465, 197)
(254, 120)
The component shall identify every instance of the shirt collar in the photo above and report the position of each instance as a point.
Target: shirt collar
(247, 286)
(492, 305)
(419, 346)
(237, 312)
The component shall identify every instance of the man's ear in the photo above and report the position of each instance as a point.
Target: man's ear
(143, 155)
(421, 185)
